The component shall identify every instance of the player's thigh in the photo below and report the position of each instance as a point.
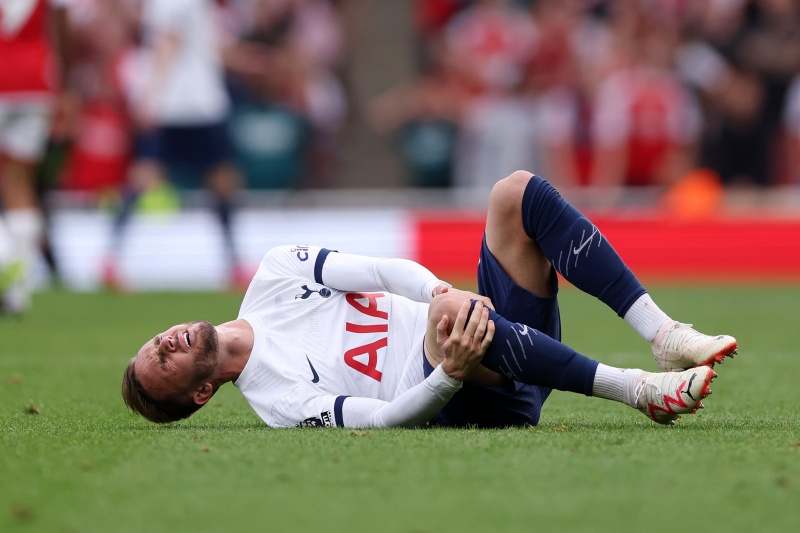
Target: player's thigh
(516, 303)
(518, 254)
(24, 129)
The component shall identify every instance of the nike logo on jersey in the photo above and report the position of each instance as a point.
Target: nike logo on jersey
(583, 245)
(315, 379)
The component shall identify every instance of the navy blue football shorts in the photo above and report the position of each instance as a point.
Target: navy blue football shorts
(520, 404)
(198, 148)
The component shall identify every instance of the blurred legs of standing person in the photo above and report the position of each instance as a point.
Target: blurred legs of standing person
(22, 228)
(205, 152)
(182, 107)
(29, 84)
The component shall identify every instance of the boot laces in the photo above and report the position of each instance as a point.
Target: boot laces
(641, 388)
(674, 342)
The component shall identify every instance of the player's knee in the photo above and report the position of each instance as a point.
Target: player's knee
(518, 176)
(506, 194)
(441, 305)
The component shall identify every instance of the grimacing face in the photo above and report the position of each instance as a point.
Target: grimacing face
(174, 361)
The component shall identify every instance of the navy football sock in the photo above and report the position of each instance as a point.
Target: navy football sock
(528, 355)
(576, 248)
(128, 200)
(224, 211)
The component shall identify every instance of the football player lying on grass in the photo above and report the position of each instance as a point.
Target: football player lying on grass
(334, 339)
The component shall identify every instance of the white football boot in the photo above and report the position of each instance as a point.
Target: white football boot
(678, 346)
(664, 396)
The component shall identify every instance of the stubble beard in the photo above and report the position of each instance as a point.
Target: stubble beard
(206, 360)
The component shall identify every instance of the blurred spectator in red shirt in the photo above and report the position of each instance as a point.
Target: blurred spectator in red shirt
(105, 34)
(33, 81)
(646, 122)
(181, 105)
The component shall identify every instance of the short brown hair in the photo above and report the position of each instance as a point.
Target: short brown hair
(159, 411)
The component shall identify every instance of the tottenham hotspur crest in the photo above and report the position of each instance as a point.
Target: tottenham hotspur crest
(324, 292)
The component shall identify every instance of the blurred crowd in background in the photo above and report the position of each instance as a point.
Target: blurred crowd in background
(229, 95)
(277, 61)
(585, 92)
(605, 93)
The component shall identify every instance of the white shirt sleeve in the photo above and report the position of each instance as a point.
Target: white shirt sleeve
(413, 408)
(351, 272)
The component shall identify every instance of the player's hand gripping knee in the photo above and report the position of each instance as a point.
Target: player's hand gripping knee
(464, 346)
(467, 295)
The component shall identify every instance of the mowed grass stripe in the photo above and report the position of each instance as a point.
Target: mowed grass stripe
(84, 464)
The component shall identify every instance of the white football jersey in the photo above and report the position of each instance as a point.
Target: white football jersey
(316, 345)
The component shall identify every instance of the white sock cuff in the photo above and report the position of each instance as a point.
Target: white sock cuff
(609, 383)
(26, 225)
(645, 317)
(8, 247)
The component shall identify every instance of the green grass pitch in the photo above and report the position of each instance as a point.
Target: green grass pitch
(72, 459)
